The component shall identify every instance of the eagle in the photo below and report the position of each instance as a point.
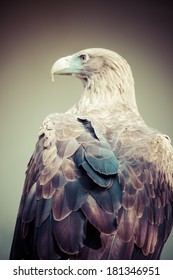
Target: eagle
(99, 184)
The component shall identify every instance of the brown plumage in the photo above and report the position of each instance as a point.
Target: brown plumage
(100, 182)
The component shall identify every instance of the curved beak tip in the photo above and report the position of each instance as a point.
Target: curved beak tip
(52, 77)
(61, 66)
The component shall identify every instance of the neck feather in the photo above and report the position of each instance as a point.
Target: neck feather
(102, 93)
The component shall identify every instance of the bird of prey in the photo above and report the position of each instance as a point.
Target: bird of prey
(99, 184)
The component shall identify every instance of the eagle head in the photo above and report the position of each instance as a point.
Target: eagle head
(103, 73)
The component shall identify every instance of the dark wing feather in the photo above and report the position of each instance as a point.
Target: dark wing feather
(146, 203)
(108, 199)
(61, 209)
(29, 211)
(43, 211)
(46, 247)
(70, 232)
(102, 220)
(85, 199)
(101, 159)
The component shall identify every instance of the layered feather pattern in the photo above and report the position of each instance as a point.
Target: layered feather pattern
(99, 184)
(77, 187)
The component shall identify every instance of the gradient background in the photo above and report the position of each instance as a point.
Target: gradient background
(33, 35)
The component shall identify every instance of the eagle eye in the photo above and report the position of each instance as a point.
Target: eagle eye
(83, 57)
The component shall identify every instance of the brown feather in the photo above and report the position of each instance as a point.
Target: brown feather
(103, 221)
(60, 207)
(126, 223)
(70, 232)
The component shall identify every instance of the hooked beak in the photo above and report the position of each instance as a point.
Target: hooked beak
(62, 67)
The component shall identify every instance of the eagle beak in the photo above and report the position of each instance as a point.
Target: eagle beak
(61, 67)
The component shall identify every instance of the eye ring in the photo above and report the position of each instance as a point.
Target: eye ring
(83, 57)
